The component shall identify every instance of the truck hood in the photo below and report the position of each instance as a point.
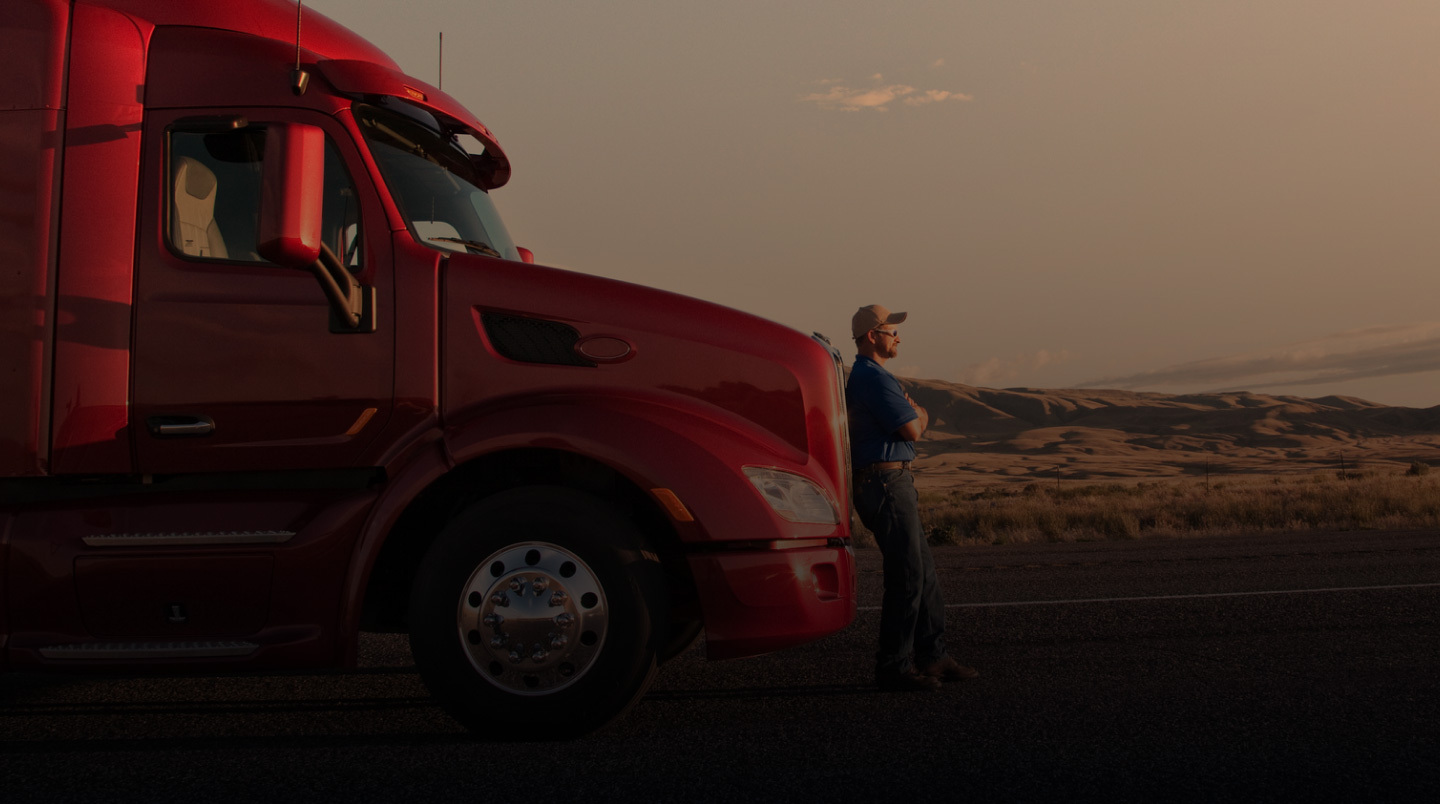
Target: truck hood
(515, 329)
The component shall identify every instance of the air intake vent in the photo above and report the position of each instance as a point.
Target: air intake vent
(533, 340)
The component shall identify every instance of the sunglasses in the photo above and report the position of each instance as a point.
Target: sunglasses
(894, 333)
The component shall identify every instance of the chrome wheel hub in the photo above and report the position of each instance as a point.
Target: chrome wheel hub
(533, 618)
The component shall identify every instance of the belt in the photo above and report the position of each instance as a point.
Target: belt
(882, 466)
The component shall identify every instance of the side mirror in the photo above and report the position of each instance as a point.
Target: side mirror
(292, 194)
(526, 255)
(292, 199)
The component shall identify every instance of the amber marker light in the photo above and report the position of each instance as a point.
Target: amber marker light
(361, 422)
(672, 503)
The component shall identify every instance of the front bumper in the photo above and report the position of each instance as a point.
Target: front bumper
(757, 601)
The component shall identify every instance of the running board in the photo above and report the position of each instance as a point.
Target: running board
(187, 539)
(149, 650)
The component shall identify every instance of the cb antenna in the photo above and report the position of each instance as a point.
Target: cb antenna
(299, 79)
(440, 76)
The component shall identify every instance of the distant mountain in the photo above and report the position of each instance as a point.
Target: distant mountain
(1028, 432)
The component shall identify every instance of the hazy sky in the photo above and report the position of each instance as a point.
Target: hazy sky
(1149, 194)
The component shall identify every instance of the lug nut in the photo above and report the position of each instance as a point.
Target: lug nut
(500, 599)
(514, 657)
(539, 655)
(564, 620)
(557, 598)
(498, 641)
(515, 585)
(557, 642)
(539, 585)
(493, 620)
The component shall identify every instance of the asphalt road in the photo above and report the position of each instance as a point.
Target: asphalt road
(1253, 668)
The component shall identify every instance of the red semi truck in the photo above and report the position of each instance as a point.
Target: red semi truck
(272, 373)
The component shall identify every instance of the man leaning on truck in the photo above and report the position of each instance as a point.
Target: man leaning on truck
(884, 424)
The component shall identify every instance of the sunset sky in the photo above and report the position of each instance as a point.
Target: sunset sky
(1166, 196)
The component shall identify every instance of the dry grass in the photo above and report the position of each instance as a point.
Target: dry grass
(1041, 513)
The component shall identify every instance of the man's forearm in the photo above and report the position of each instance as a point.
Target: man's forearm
(913, 429)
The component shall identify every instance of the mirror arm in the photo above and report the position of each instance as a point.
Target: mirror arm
(330, 275)
(341, 288)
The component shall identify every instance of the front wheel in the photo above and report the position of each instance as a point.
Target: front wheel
(533, 615)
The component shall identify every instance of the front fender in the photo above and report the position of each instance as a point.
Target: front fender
(696, 451)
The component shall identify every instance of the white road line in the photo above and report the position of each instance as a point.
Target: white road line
(1172, 597)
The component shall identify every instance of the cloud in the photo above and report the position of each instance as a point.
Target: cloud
(935, 96)
(1359, 354)
(997, 371)
(937, 64)
(879, 97)
(853, 100)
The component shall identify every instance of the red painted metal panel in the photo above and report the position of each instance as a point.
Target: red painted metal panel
(764, 601)
(97, 244)
(202, 67)
(734, 361)
(204, 596)
(266, 19)
(32, 54)
(29, 213)
(32, 57)
(658, 441)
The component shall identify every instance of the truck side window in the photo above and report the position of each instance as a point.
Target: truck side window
(214, 191)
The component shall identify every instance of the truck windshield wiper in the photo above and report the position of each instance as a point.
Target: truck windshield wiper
(473, 245)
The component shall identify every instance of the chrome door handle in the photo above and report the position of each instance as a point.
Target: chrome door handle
(180, 426)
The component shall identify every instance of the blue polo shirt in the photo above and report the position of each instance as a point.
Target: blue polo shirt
(877, 409)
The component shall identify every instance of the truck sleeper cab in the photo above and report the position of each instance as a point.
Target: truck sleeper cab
(280, 375)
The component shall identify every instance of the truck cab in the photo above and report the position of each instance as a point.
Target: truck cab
(275, 373)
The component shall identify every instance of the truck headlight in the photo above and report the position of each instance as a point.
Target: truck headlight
(793, 497)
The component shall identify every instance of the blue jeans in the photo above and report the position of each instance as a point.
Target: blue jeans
(912, 612)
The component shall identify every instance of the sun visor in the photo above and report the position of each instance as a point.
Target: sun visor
(359, 78)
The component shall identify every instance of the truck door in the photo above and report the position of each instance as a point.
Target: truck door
(236, 366)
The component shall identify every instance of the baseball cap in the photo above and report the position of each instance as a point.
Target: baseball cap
(870, 317)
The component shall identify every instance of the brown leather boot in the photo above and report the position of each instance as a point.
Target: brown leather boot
(947, 669)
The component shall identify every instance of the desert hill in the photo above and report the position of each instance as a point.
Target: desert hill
(1026, 433)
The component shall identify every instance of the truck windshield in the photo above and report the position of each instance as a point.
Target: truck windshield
(433, 181)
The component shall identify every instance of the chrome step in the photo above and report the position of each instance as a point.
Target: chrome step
(184, 539)
(149, 650)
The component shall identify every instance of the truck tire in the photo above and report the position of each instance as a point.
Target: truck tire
(682, 637)
(534, 615)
